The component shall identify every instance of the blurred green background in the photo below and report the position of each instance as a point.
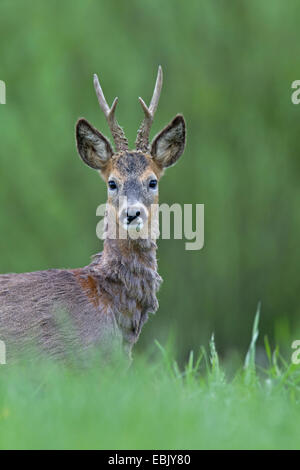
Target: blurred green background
(228, 67)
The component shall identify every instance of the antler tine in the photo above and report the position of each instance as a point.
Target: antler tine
(119, 137)
(157, 91)
(142, 140)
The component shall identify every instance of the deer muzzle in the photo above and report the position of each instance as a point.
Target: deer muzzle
(133, 216)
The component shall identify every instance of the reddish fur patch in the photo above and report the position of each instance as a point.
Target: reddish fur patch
(89, 286)
(155, 168)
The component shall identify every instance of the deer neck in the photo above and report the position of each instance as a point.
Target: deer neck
(127, 271)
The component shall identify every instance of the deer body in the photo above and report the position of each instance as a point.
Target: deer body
(107, 302)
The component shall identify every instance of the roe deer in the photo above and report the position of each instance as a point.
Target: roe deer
(111, 297)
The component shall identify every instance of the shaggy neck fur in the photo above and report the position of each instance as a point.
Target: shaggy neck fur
(126, 272)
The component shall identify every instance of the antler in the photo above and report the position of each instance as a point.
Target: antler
(142, 140)
(119, 137)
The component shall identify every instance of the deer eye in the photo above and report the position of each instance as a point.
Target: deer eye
(153, 184)
(112, 185)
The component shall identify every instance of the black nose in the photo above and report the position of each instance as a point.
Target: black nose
(130, 218)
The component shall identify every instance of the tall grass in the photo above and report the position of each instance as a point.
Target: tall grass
(155, 404)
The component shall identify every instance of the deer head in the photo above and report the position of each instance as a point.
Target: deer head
(131, 175)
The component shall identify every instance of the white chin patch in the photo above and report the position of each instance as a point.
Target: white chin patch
(135, 226)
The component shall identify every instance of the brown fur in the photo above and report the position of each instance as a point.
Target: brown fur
(89, 286)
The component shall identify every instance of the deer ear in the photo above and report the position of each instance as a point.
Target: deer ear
(94, 149)
(169, 144)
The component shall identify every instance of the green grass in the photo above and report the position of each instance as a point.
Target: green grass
(152, 405)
